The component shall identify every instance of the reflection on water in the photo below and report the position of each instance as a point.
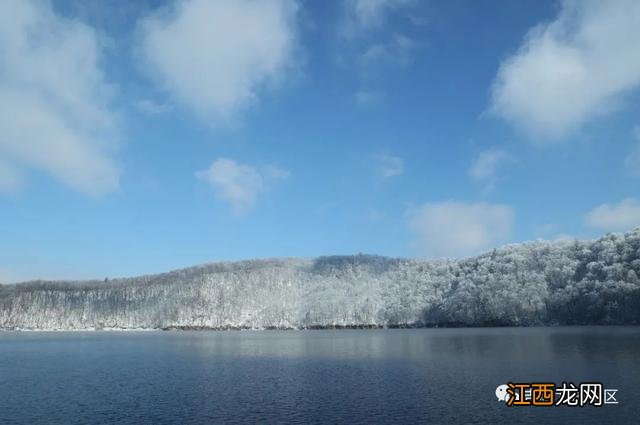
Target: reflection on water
(347, 376)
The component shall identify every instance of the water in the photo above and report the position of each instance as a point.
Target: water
(349, 376)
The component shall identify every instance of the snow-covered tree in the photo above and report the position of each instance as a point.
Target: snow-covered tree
(579, 282)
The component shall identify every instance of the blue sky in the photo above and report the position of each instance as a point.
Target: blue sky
(152, 136)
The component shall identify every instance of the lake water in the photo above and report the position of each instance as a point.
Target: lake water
(346, 376)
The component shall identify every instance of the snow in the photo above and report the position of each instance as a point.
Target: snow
(537, 283)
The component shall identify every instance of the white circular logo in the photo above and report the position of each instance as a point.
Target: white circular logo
(501, 392)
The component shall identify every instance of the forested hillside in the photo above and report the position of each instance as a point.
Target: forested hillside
(537, 283)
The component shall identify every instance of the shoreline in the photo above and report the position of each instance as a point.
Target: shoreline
(299, 329)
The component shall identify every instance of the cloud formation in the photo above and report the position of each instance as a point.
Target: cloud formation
(573, 69)
(615, 217)
(369, 97)
(455, 229)
(10, 178)
(365, 15)
(54, 110)
(151, 107)
(484, 167)
(388, 166)
(370, 45)
(240, 184)
(398, 51)
(632, 160)
(216, 56)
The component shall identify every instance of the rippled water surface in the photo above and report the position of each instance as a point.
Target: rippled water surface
(347, 376)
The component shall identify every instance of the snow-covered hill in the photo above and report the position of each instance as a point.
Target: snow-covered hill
(591, 282)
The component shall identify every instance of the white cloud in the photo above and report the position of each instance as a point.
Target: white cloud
(371, 46)
(453, 229)
(54, 114)
(571, 70)
(151, 107)
(364, 15)
(274, 172)
(615, 217)
(484, 167)
(240, 184)
(388, 166)
(369, 97)
(632, 161)
(216, 56)
(398, 51)
(10, 178)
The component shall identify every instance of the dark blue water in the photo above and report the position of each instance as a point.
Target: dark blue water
(348, 376)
